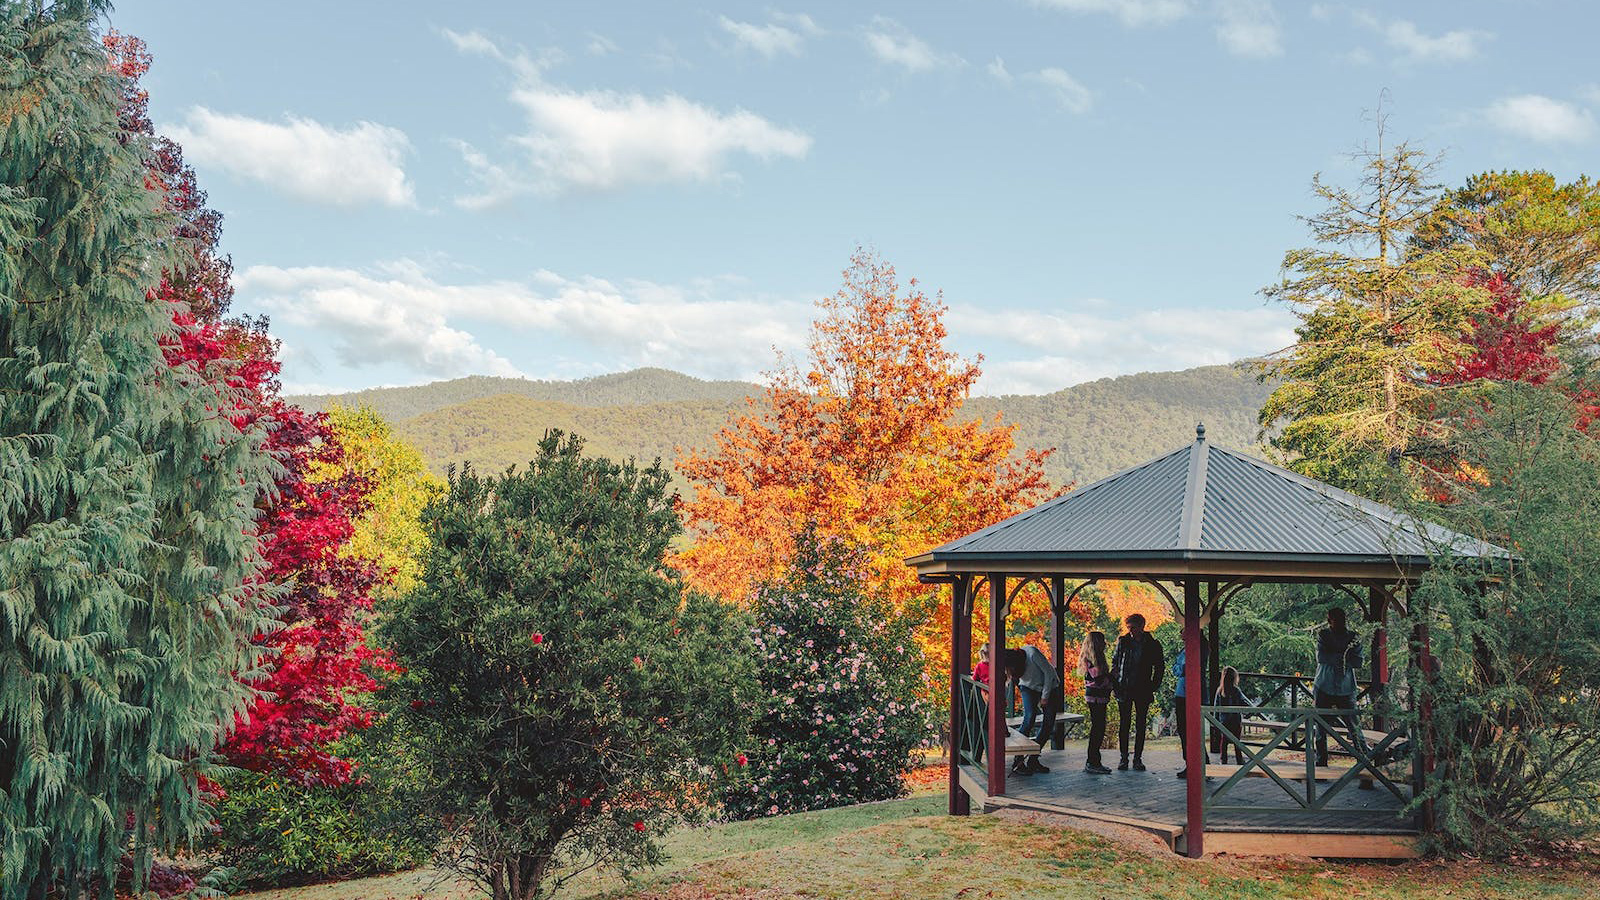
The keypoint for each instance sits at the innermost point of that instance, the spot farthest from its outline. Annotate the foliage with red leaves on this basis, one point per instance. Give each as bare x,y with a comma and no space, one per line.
314,691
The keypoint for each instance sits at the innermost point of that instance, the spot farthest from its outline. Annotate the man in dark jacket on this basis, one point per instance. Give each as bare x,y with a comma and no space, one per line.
1136,672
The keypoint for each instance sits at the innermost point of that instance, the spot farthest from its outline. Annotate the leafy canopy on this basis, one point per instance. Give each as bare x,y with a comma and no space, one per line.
867,444
572,699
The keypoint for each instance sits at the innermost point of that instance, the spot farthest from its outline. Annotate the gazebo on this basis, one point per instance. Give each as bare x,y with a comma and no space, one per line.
1200,524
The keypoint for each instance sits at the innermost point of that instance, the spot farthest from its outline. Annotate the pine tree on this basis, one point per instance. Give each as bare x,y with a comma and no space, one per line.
127,495
1375,320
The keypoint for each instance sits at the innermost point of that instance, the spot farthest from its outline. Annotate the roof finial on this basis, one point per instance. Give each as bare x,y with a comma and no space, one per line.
1200,432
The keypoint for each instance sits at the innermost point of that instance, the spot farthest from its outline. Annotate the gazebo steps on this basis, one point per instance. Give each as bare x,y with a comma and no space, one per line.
1321,844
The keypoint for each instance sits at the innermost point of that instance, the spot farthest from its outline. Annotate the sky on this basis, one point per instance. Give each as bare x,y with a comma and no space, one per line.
416,191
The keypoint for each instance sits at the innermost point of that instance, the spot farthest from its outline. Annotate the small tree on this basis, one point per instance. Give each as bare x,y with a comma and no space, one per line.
573,700
837,715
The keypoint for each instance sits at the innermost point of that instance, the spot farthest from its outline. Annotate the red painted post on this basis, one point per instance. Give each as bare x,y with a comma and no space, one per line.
960,665
999,691
1378,614
1194,759
1058,638
1419,635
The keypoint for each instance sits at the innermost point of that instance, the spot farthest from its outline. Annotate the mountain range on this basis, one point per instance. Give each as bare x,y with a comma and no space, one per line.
1096,428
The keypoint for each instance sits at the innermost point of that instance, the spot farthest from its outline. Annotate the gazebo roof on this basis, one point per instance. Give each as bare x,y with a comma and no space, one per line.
1203,509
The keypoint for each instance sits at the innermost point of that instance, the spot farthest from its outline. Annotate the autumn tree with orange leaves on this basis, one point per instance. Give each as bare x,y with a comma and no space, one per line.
867,444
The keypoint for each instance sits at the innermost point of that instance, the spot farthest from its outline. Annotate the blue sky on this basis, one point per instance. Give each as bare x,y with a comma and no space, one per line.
417,191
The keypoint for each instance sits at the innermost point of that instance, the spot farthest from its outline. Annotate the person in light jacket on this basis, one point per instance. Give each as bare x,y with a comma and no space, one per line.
1041,692
1338,657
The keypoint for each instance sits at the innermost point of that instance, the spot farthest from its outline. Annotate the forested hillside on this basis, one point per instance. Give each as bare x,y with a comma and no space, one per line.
1097,428
632,388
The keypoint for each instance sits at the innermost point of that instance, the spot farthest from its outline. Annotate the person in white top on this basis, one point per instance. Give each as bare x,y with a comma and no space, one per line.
1041,693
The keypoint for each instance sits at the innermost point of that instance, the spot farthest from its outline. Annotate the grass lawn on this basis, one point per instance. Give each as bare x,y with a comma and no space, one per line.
909,849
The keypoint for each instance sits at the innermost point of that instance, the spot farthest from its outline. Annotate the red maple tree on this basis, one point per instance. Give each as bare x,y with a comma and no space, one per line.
315,688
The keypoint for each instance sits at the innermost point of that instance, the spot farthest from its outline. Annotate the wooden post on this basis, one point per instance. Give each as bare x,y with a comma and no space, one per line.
1194,759
1378,614
1058,645
999,690
1214,657
960,665
1424,659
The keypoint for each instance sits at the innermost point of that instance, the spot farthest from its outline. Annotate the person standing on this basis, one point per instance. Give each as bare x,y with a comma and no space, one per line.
1041,692
1338,657
980,673
1096,674
1136,671
1181,707
1228,694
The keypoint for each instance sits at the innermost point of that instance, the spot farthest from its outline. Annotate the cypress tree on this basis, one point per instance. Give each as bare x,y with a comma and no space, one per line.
129,567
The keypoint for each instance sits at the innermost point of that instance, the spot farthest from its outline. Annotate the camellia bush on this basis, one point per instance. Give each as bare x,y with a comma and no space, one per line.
837,716
570,698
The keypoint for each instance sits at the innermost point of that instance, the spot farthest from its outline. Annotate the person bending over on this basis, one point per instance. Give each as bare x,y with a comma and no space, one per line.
1041,692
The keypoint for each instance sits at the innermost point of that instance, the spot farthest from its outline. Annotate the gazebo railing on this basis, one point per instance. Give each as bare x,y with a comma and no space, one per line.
1275,689
974,723
1374,762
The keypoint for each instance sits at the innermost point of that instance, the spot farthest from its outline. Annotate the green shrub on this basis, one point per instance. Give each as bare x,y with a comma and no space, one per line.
836,717
273,831
572,700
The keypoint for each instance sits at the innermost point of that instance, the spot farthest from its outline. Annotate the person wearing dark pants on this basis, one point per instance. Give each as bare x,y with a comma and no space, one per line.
1096,674
1136,672
1338,656
1182,707
1041,692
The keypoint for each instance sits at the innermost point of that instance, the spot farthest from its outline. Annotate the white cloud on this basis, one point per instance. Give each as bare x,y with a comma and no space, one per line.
1067,91
786,34
1591,94
1133,13
1451,46
1541,119
1249,28
997,70
371,320
355,166
891,43
1083,346
400,314
607,140
600,45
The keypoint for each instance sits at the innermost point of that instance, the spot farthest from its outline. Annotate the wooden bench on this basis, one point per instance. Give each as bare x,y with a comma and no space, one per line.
1066,723
1274,727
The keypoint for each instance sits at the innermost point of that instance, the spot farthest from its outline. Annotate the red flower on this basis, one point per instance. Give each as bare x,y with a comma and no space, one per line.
585,801
538,638
638,826
743,760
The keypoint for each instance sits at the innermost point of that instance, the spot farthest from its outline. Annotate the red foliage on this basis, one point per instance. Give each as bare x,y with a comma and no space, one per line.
1504,344
323,669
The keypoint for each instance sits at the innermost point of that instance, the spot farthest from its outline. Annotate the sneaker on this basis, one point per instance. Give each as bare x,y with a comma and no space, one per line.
1096,769
1122,766
1034,765
1138,765
1183,773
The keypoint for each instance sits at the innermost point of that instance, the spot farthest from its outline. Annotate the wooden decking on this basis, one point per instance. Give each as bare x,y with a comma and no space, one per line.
1357,823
